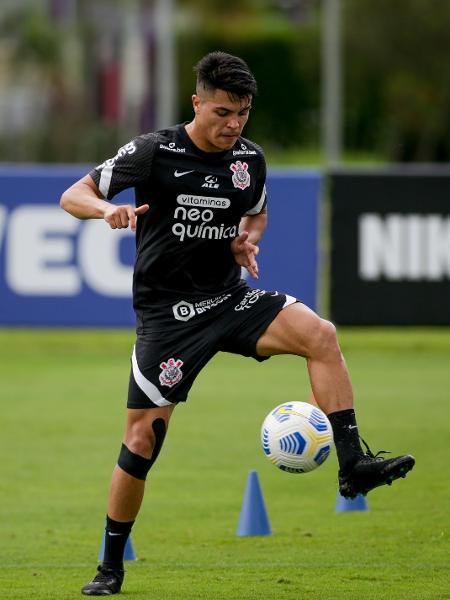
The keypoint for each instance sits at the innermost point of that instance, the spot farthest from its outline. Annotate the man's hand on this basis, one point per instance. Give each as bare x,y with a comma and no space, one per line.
245,253
118,217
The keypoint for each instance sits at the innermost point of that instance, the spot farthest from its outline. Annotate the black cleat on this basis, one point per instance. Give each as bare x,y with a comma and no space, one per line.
105,583
371,471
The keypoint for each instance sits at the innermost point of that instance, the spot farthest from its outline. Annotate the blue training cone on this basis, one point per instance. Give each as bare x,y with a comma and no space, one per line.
253,519
351,504
128,553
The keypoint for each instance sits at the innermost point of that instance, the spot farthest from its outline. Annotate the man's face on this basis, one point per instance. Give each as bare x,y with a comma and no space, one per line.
219,119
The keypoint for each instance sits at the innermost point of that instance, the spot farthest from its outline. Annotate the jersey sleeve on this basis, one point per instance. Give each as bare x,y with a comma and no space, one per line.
260,197
131,165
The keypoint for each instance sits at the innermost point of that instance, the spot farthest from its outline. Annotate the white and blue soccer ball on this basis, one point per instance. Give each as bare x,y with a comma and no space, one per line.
296,437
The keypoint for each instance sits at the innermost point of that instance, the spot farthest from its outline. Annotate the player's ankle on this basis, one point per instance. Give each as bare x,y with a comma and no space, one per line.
346,438
113,566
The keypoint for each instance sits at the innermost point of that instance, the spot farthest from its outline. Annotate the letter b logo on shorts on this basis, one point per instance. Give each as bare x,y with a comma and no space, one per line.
183,311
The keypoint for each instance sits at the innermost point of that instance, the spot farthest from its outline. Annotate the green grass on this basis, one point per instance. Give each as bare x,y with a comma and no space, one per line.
315,157
62,411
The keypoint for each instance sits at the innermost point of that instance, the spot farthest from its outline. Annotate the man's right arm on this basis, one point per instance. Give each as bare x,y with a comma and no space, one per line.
84,201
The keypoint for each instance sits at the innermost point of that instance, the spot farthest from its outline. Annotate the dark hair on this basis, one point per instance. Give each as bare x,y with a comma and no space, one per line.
222,71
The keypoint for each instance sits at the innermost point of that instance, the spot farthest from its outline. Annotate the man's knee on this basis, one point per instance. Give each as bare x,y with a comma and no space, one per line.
141,448
140,437
325,344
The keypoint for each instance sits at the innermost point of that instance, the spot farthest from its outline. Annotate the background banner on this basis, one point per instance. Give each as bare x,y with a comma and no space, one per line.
390,260
56,270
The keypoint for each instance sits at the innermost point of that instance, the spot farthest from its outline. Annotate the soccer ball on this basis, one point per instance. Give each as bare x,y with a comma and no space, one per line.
296,437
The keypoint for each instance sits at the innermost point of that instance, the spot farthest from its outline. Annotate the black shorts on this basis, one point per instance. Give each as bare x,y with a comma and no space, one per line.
174,343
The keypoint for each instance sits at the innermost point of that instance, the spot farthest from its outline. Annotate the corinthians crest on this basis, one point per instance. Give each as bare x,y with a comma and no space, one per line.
241,176
171,372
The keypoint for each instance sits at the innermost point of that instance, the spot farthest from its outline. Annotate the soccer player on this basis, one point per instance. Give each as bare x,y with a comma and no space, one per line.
201,209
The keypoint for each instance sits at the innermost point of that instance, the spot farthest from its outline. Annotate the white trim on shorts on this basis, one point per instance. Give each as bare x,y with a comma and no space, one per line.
289,300
149,389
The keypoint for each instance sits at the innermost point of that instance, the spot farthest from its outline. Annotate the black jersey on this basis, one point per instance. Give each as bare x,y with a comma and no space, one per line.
196,200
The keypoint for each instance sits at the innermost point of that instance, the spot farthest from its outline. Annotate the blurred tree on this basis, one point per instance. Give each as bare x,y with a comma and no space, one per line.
396,55
227,8
284,57
398,89
35,42
36,52
48,56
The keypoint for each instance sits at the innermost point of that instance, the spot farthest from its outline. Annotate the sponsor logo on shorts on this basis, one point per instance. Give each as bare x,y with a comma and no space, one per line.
241,176
249,299
171,373
183,311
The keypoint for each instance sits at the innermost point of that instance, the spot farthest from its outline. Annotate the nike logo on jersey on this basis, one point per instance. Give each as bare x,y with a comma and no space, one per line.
181,173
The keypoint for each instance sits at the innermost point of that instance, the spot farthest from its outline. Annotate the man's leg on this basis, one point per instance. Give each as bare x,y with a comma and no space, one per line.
298,330
144,436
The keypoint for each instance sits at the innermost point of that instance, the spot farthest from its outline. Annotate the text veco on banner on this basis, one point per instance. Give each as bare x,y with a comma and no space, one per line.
391,247
59,271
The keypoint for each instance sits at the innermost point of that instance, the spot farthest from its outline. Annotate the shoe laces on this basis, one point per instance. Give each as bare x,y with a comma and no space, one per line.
370,454
105,574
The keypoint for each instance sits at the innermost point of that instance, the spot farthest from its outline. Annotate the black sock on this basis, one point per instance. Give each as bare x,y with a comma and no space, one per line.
346,438
116,535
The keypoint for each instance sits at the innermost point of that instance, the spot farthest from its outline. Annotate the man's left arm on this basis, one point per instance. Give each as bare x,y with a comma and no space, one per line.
245,245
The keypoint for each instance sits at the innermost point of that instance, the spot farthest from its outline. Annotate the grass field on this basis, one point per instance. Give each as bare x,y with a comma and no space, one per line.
62,409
